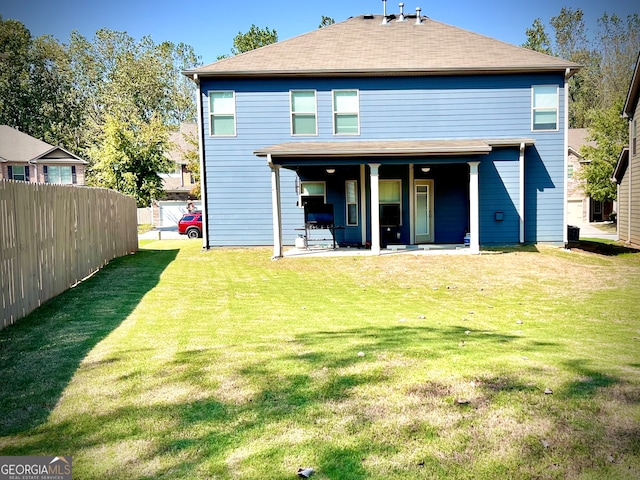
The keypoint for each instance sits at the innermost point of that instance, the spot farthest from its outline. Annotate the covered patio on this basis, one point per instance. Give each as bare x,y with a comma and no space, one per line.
369,157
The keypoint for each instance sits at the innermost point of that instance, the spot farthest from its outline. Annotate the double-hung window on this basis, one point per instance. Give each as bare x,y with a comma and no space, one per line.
390,203
312,192
303,112
634,137
18,172
222,111
346,112
544,115
351,194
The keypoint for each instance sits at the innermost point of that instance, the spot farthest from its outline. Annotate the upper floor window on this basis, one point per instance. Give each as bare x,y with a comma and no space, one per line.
346,112
303,112
544,107
634,135
222,108
569,171
62,174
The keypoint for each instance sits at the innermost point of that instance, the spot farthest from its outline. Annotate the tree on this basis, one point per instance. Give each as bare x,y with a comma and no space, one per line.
255,38
134,93
326,21
598,91
610,132
37,95
537,38
192,157
129,154
570,33
619,43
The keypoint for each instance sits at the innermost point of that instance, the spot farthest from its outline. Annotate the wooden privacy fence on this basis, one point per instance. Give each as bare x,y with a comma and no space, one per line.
53,236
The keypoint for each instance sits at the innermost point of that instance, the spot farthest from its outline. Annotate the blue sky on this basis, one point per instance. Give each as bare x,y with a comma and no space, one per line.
209,26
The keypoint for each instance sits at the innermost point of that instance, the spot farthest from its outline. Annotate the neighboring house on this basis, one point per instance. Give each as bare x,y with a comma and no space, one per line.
581,208
25,158
180,182
627,171
416,132
177,185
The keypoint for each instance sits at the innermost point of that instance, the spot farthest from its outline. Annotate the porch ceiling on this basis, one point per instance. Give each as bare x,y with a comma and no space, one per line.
389,148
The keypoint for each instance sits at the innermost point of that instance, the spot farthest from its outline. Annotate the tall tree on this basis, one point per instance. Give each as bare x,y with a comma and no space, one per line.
619,44
537,38
128,156
37,95
135,94
570,33
255,38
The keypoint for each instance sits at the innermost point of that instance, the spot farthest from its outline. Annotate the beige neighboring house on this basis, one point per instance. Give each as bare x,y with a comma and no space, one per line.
180,182
627,172
177,185
25,158
580,208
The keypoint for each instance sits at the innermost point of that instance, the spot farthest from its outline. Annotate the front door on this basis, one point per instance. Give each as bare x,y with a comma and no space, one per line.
423,218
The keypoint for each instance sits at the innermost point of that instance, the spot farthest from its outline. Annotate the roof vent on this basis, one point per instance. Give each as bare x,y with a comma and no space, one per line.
401,19
385,20
368,16
418,19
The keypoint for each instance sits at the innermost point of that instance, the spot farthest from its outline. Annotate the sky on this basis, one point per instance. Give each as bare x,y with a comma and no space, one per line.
209,26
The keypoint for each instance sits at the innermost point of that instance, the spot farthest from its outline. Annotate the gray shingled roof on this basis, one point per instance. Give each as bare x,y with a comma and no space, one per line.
17,146
363,46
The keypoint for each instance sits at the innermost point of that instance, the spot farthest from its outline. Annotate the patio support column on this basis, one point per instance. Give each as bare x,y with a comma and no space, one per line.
375,209
474,208
521,202
276,207
363,203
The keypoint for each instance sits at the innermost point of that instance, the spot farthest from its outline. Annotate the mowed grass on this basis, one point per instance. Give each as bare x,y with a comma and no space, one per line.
179,363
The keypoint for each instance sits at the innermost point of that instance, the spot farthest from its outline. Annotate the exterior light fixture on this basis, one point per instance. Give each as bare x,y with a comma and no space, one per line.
425,169
331,170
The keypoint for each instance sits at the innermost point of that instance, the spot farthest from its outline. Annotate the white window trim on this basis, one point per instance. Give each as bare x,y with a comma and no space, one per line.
324,191
533,109
235,116
315,113
399,182
347,203
334,113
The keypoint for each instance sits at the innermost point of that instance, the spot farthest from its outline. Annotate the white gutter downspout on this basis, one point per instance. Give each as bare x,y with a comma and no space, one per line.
276,208
363,204
565,238
203,170
522,193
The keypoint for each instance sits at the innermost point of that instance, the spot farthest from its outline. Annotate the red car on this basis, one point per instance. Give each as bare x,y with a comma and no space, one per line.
191,225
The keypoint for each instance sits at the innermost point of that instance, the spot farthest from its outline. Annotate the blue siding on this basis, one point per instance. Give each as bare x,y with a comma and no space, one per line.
239,183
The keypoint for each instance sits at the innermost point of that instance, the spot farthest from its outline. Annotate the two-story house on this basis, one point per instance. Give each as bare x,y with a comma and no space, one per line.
627,171
407,130
25,158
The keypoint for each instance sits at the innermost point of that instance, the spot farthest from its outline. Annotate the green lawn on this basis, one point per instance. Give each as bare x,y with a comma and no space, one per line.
179,363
